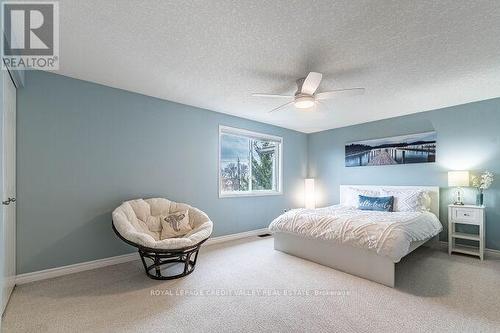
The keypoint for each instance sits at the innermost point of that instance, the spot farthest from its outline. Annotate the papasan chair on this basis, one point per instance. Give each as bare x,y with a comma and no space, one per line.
165,232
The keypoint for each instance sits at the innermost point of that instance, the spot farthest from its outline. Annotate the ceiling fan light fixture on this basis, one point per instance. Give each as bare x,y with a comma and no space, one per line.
304,102
306,96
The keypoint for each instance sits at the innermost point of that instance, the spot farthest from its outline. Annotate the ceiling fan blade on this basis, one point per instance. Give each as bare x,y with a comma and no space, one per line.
311,83
340,93
272,95
281,106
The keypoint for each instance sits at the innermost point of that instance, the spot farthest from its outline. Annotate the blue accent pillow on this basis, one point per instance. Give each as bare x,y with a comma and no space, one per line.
382,204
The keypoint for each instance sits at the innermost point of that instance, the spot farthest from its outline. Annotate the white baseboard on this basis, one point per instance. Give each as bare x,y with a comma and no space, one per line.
226,238
88,265
494,254
75,268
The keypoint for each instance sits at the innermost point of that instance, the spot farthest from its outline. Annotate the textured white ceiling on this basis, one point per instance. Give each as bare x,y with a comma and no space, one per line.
410,55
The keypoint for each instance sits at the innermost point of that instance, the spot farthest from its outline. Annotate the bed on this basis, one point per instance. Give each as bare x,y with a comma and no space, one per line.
367,244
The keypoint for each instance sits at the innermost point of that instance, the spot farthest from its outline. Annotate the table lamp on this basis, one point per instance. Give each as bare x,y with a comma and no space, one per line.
458,179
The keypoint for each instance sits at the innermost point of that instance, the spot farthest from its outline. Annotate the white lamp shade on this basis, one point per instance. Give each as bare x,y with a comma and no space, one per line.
458,178
309,195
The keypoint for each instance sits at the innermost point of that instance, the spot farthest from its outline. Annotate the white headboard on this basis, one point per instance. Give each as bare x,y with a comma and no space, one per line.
432,190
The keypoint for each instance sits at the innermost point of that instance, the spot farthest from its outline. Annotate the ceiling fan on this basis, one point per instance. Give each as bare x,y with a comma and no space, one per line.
306,95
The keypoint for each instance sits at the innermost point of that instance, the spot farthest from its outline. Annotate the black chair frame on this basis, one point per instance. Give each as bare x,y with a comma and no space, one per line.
160,257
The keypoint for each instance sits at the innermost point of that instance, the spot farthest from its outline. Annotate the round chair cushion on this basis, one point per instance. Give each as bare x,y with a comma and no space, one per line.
130,220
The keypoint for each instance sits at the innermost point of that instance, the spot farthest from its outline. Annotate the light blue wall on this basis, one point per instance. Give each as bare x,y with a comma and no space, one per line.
84,148
468,138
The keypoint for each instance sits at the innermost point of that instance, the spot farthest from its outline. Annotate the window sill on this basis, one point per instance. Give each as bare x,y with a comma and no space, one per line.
248,194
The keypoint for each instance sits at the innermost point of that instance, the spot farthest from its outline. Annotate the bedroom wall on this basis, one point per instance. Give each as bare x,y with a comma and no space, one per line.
468,139
83,148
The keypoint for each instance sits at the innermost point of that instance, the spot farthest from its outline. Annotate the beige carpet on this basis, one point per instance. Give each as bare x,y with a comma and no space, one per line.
246,286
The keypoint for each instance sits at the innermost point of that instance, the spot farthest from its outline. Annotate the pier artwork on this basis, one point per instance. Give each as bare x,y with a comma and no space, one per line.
415,148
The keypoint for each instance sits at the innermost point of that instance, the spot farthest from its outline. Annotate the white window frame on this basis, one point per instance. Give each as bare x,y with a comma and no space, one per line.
255,135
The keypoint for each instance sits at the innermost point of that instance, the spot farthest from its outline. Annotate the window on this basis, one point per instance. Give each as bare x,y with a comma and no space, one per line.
249,163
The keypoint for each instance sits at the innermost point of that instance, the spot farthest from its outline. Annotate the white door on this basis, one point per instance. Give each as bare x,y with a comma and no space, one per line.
9,187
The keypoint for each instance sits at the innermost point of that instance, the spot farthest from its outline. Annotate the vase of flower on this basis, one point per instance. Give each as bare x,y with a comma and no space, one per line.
482,183
480,198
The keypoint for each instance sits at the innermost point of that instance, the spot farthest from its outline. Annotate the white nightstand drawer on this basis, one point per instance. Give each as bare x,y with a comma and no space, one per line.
465,214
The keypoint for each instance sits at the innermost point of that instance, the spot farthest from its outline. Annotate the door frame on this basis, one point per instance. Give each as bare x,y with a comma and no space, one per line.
8,273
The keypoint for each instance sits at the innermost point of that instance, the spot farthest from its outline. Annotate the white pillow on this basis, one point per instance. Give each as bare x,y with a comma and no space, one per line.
409,200
351,196
175,224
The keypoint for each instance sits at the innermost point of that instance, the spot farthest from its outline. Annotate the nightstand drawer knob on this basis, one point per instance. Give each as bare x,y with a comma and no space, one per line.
464,214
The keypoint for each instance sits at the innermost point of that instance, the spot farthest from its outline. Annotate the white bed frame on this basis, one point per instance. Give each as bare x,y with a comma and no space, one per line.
346,258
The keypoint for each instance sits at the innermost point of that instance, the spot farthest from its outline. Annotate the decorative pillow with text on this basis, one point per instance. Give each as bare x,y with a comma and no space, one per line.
382,204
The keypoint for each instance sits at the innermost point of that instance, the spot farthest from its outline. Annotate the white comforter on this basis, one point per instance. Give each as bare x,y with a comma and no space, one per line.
386,233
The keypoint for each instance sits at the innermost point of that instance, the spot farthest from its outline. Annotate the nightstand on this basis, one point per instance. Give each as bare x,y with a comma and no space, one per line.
471,215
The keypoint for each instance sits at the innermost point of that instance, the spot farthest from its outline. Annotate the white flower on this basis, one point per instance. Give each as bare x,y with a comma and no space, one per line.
484,181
